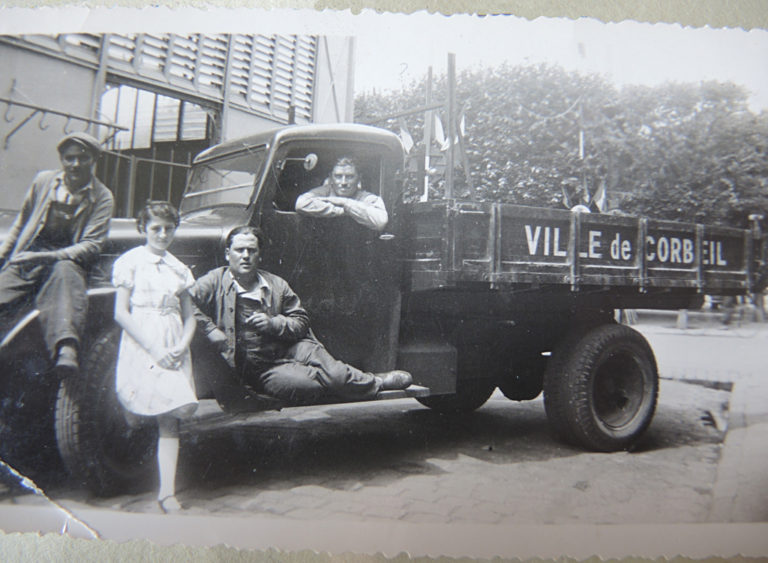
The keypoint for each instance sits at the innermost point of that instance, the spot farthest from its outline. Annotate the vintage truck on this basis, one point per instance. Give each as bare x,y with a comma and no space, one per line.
467,296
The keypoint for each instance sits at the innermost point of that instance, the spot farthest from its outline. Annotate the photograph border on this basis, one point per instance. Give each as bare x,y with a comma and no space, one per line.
577,542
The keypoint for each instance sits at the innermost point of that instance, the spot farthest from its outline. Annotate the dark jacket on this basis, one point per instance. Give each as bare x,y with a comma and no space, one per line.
215,297
91,220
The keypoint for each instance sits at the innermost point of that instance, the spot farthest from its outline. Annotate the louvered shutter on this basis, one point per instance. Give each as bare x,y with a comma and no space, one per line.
82,46
269,74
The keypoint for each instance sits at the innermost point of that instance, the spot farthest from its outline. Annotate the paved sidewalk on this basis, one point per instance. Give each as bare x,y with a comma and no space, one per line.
741,488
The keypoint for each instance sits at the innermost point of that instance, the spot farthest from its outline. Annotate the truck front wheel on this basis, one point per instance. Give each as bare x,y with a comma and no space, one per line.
601,387
471,394
102,448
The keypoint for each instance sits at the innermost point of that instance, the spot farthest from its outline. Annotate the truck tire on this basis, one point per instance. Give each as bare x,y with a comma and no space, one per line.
601,387
27,395
471,394
100,448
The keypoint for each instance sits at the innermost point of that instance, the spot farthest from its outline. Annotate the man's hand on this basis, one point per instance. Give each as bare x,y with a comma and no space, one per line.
218,339
338,201
261,322
339,204
43,257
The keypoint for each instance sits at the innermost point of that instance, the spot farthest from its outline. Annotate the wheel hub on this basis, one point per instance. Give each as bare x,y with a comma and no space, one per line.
619,388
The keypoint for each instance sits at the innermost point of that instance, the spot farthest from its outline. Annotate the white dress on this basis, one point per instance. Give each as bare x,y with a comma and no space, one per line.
155,282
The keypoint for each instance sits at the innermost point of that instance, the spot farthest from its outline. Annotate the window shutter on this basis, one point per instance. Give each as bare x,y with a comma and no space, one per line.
269,74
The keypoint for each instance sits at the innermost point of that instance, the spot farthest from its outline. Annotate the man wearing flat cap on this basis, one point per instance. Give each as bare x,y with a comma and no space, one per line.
56,236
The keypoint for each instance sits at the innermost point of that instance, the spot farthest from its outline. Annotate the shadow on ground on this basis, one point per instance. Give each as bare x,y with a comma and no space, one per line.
377,444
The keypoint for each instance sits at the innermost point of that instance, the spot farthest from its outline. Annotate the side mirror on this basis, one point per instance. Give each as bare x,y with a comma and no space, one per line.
310,161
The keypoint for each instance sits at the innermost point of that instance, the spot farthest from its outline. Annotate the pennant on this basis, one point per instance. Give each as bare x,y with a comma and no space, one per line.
439,133
566,197
600,198
405,136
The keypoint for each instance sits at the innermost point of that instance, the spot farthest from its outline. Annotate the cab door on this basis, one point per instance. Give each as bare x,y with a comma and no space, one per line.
347,276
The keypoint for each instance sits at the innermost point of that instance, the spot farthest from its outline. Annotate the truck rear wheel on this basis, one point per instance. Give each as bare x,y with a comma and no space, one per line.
471,394
601,387
100,447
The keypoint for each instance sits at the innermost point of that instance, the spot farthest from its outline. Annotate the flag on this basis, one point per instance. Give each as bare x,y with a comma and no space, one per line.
440,134
600,198
585,195
405,136
566,197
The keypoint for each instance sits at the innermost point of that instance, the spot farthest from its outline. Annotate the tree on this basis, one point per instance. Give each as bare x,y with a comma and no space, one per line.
688,152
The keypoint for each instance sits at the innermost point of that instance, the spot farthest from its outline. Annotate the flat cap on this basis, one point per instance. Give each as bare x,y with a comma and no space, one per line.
85,140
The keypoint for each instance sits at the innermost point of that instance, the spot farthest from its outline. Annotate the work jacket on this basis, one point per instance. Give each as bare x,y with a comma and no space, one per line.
215,298
90,227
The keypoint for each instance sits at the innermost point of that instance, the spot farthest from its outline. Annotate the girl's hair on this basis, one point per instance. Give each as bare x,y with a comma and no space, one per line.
159,209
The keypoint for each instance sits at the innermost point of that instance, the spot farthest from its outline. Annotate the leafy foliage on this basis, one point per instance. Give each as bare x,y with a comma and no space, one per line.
535,134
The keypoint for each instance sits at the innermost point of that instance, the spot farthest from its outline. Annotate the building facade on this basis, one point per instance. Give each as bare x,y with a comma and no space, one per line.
156,100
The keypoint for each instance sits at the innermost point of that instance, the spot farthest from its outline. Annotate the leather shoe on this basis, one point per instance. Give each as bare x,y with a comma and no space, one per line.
169,504
396,379
66,361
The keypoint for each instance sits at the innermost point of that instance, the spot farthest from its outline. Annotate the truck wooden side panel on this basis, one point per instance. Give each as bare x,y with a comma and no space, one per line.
451,243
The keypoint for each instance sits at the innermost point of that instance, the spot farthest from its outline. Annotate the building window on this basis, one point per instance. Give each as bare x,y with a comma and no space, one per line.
151,118
151,158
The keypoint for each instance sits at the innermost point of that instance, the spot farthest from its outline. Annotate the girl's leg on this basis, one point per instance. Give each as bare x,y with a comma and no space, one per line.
167,456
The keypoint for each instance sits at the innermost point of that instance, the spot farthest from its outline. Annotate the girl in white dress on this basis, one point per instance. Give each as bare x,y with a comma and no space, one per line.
154,367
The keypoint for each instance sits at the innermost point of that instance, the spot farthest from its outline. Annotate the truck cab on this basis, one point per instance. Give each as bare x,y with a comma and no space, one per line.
347,276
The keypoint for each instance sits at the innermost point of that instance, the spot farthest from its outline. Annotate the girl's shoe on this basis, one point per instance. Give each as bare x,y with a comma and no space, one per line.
169,504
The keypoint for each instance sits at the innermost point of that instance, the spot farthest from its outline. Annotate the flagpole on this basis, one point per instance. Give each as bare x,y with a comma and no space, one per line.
464,158
427,135
451,118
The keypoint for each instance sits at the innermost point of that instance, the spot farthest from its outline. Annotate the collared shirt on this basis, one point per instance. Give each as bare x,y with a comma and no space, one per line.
257,292
216,299
155,280
90,223
62,194
364,207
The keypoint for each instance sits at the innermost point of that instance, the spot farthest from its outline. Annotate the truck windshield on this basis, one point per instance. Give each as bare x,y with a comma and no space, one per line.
226,181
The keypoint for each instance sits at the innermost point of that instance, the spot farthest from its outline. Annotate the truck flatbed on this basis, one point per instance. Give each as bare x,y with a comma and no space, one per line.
454,244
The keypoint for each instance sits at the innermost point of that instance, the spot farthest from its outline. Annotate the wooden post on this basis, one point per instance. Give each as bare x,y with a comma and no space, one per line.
451,119
221,134
99,84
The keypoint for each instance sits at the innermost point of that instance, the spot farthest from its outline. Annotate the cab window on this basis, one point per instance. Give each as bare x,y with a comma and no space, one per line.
293,179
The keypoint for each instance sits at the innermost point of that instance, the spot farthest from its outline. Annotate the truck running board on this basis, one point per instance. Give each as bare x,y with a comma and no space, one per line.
210,415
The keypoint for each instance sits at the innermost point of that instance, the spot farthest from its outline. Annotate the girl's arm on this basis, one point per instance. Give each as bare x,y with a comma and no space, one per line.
190,323
123,317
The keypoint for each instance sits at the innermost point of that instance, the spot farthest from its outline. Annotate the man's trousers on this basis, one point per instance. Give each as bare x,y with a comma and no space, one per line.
57,290
308,373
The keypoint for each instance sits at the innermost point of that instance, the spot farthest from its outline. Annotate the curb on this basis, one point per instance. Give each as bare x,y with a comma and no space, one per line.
740,493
